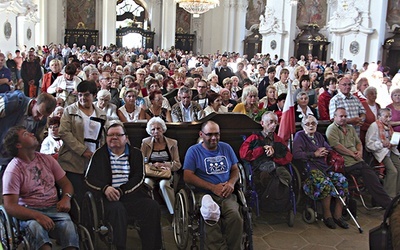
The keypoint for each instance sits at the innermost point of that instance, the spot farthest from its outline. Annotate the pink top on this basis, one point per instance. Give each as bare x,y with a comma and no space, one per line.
395,116
34,182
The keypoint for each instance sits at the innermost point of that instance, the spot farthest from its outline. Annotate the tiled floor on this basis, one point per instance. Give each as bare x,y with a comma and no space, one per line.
272,232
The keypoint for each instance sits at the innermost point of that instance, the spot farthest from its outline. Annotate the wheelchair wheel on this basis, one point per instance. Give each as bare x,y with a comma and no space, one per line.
309,215
181,220
242,177
6,230
85,241
290,218
91,220
297,188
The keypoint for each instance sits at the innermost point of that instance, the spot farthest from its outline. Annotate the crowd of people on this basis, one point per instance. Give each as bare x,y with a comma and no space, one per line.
82,96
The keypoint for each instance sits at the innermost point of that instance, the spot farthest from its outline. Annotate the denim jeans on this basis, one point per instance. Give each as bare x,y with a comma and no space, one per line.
64,231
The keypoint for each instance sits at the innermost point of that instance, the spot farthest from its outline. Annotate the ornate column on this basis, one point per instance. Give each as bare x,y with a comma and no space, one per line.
351,32
273,30
168,24
109,29
240,25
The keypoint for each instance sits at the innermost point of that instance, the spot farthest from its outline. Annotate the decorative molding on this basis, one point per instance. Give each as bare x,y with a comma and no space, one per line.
347,17
7,29
270,23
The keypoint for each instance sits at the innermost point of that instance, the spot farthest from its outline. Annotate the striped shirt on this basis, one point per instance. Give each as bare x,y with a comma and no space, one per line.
120,168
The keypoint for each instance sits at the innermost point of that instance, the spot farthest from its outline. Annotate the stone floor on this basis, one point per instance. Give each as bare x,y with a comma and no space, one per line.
270,231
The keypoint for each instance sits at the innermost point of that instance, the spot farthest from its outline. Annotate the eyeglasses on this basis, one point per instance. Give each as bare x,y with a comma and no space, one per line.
113,135
202,87
53,126
345,84
211,134
308,124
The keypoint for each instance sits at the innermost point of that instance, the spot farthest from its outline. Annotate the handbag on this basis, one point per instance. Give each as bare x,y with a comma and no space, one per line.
336,161
380,237
154,172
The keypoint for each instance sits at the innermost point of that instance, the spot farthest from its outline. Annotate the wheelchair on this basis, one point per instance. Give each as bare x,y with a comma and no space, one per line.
258,198
188,222
100,230
12,237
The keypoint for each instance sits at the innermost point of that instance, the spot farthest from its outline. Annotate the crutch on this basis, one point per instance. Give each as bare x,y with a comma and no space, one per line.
344,205
341,199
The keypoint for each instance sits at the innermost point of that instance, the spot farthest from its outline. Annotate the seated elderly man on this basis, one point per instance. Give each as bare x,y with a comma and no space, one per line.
212,168
115,172
30,193
344,139
186,110
265,150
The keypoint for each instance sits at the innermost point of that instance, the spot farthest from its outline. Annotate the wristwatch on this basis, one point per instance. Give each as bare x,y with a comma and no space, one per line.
68,195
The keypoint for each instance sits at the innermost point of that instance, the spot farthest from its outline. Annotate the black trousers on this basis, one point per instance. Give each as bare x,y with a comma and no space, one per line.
371,181
144,210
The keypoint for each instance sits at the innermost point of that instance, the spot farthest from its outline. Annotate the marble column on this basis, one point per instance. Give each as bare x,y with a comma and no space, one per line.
109,30
156,21
55,20
240,26
231,25
168,25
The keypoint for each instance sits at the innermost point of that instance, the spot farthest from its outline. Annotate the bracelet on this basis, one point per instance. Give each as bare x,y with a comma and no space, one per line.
68,195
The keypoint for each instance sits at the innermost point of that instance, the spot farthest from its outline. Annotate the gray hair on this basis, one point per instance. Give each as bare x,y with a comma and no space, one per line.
268,113
306,117
185,89
300,94
154,120
370,89
382,110
103,93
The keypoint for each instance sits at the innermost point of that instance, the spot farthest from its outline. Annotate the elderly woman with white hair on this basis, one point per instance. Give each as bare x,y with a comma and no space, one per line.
213,80
103,103
301,108
378,141
310,150
249,104
161,152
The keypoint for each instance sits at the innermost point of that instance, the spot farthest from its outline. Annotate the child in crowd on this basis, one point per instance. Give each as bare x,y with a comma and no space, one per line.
52,143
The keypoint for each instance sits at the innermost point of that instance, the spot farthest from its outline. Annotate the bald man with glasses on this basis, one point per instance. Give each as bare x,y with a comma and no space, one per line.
212,168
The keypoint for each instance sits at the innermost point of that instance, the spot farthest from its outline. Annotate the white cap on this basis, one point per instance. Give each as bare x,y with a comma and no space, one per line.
209,209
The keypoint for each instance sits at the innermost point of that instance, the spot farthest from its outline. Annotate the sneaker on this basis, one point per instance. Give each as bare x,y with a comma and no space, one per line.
341,223
330,223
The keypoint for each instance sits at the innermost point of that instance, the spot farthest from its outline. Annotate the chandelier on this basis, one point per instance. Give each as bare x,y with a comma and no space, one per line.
197,7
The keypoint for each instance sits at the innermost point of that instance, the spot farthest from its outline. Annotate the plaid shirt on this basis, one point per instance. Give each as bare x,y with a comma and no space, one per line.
352,104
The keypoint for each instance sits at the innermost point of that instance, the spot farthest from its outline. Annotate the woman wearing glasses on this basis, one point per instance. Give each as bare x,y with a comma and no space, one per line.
81,130
161,152
310,150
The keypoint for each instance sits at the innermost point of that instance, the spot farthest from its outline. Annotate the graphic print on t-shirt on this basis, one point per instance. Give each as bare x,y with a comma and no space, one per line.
216,165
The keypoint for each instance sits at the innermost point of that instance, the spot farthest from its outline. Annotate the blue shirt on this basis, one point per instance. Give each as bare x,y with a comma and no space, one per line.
5,73
213,166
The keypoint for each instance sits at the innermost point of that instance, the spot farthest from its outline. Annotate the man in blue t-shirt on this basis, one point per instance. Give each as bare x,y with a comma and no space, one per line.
212,168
